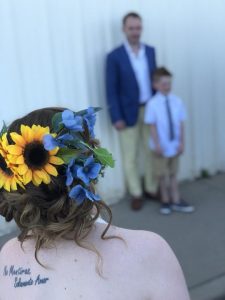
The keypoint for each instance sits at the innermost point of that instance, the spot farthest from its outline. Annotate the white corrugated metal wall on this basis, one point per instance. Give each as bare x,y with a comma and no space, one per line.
52,53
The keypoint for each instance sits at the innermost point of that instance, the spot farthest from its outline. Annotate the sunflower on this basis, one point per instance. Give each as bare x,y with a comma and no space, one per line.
8,177
33,162
3,145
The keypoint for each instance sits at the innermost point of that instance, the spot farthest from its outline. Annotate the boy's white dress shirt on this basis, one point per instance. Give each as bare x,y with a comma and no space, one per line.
156,113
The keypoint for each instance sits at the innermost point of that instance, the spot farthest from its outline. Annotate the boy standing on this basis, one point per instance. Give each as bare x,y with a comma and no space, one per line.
165,114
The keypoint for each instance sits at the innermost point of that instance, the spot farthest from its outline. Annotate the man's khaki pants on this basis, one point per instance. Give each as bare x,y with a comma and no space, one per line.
130,140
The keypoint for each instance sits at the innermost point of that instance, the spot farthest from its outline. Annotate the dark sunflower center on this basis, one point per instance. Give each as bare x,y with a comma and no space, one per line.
3,166
35,155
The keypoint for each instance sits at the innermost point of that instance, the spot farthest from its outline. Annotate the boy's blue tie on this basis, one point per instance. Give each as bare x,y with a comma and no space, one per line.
170,120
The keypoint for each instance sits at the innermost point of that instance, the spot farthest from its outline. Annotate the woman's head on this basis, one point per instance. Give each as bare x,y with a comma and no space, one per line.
49,164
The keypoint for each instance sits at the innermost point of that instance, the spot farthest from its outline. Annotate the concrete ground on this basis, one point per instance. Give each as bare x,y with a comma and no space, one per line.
197,239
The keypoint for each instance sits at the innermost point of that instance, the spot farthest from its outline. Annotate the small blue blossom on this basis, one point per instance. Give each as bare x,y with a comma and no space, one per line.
71,121
90,118
79,194
71,172
51,143
89,171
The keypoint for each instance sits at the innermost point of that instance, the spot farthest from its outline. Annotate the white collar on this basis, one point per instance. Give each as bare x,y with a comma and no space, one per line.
162,96
130,50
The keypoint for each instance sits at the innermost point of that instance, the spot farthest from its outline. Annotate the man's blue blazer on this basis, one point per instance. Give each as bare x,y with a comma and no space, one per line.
122,90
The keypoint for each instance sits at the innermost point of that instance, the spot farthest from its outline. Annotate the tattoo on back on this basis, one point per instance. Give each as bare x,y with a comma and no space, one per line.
22,277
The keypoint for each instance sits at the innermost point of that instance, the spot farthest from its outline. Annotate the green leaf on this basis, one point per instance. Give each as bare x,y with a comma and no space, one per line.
67,154
56,121
84,111
3,130
104,156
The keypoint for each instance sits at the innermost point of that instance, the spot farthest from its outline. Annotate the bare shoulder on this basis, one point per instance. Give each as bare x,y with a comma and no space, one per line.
144,244
156,263
149,245
10,243
141,239
9,249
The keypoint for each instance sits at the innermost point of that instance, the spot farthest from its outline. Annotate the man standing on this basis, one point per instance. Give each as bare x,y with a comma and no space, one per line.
129,87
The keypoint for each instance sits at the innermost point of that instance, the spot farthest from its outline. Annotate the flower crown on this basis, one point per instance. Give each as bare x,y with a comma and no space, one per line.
37,151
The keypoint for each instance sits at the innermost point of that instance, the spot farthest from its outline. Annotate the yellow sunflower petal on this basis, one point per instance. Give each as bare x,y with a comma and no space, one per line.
2,152
47,179
56,160
44,176
27,177
54,151
36,179
4,142
7,185
39,132
27,133
2,179
22,169
34,127
20,160
20,184
12,158
50,169
18,139
4,138
15,150
13,184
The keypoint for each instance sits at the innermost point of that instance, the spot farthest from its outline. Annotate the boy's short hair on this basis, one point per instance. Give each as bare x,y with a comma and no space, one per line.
160,72
131,14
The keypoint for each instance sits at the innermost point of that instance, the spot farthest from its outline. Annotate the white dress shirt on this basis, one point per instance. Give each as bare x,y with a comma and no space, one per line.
140,66
156,113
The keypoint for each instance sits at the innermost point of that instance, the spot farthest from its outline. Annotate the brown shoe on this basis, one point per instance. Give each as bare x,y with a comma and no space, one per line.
136,203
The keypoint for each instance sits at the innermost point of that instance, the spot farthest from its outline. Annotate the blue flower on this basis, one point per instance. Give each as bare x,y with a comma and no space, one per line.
79,194
89,171
71,172
51,143
90,118
71,121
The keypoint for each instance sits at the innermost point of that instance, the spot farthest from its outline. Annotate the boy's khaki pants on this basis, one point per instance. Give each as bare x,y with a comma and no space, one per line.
130,140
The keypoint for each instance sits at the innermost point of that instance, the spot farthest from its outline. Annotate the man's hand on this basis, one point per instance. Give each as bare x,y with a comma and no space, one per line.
180,149
120,125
